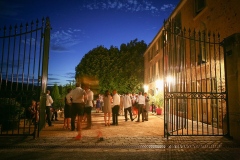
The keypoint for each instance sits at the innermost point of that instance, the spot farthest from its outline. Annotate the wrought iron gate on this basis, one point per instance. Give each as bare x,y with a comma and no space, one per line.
195,96
23,77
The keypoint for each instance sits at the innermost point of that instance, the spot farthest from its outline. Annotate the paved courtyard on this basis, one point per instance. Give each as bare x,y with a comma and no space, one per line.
128,140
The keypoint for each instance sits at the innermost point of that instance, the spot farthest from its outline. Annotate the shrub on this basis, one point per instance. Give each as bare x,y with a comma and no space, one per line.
157,99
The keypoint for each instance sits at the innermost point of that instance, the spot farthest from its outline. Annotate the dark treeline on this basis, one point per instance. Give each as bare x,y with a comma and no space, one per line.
121,69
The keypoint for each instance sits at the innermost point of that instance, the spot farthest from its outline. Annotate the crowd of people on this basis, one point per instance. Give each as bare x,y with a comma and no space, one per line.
32,112
79,103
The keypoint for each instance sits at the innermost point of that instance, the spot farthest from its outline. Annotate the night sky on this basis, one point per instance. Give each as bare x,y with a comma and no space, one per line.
78,26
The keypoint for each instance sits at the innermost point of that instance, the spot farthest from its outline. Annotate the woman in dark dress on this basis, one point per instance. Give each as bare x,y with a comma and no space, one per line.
67,110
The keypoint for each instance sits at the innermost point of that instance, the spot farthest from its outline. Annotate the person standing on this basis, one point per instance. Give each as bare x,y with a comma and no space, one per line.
31,113
116,106
98,105
67,110
49,102
134,105
78,103
141,104
121,109
147,106
127,104
88,107
107,108
54,114
101,101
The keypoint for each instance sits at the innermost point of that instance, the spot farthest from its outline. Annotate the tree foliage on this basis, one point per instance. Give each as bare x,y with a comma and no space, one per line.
56,96
121,69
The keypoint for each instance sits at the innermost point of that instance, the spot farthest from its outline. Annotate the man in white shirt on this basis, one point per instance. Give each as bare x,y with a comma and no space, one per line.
49,102
116,106
127,104
88,106
78,102
141,104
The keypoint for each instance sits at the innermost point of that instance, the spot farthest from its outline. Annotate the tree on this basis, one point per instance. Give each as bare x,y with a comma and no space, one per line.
115,69
56,97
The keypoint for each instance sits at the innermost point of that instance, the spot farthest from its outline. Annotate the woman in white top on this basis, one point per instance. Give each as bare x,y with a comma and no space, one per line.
107,108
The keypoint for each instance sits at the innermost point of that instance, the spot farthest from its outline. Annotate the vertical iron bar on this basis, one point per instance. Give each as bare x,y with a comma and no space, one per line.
181,49
206,79
200,79
171,114
23,61
175,63
24,56
180,73
211,78
196,75
191,74
29,55
210,83
185,80
217,81
184,105
3,47
19,53
13,58
39,68
164,82
8,54
40,54
215,72
181,80
33,72
221,85
172,67
177,116
34,57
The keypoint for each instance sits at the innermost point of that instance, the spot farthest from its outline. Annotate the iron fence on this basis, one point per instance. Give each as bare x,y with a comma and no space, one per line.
22,72
195,95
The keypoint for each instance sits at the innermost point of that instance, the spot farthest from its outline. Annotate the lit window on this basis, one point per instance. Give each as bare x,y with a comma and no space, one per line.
203,49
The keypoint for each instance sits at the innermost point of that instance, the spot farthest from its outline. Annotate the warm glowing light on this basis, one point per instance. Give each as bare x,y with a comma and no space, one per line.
145,88
159,85
170,79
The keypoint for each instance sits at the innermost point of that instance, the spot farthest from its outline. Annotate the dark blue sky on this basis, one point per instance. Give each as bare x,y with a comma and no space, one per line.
78,26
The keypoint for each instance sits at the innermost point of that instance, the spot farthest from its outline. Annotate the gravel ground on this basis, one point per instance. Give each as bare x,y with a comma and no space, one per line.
129,140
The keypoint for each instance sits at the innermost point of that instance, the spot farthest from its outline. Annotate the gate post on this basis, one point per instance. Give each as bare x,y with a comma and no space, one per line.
44,77
231,46
166,111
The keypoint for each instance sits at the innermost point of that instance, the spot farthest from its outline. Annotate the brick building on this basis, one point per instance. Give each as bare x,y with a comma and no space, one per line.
191,49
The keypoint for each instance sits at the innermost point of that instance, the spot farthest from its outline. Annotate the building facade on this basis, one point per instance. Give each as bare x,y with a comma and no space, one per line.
190,50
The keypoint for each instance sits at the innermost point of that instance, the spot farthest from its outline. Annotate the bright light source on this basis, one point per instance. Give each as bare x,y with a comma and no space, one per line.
145,88
170,79
159,85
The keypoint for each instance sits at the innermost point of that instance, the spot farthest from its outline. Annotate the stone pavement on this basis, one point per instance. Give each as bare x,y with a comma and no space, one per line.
128,140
